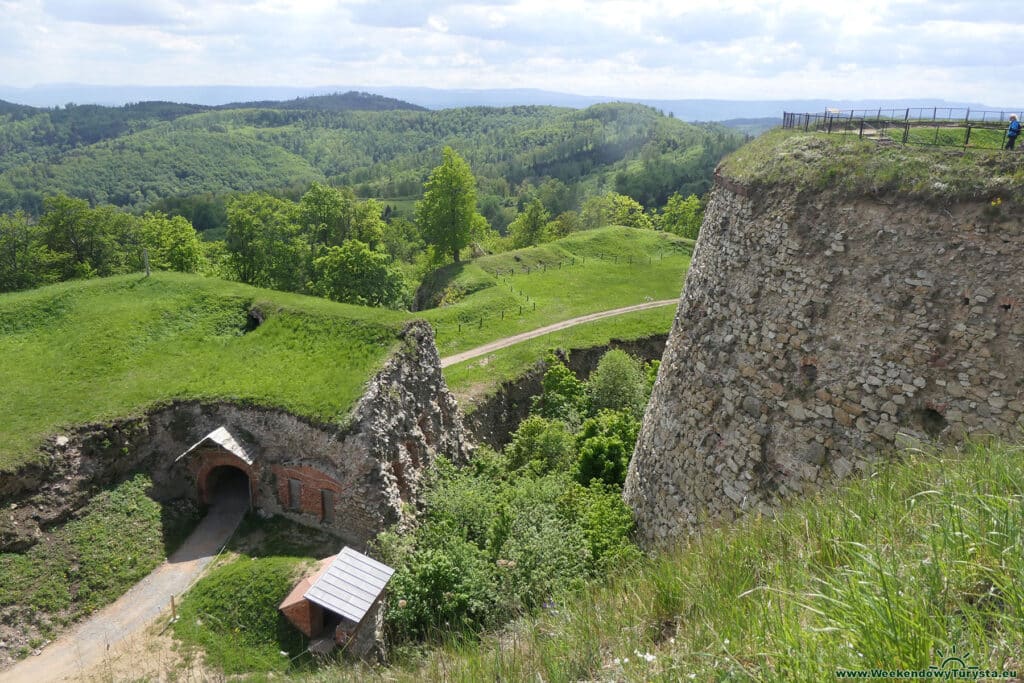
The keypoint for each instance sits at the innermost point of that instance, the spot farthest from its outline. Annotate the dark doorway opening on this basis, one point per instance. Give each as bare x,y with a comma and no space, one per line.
227,482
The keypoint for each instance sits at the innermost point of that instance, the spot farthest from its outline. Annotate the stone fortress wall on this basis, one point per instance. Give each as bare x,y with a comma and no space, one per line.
811,332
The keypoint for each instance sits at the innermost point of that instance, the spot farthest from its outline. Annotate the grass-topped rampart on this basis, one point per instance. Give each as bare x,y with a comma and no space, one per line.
818,161
98,350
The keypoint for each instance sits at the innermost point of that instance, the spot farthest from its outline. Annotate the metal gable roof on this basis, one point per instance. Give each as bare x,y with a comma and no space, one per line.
350,585
223,438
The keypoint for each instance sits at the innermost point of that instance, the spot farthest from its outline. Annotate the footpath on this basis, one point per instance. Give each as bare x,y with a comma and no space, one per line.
541,331
85,644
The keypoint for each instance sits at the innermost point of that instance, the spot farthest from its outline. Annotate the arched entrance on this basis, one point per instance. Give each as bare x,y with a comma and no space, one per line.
223,469
226,481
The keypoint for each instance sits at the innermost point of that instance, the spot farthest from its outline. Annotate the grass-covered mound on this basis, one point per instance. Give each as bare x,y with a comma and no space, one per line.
80,566
897,571
817,161
96,350
232,615
524,289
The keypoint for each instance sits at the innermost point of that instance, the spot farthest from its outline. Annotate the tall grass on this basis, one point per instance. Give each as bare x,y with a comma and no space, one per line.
922,559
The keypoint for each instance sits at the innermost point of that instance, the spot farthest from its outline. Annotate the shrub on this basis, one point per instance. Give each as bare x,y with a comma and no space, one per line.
563,396
618,383
542,445
605,446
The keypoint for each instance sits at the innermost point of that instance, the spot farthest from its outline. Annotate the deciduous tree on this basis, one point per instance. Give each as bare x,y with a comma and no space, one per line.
446,213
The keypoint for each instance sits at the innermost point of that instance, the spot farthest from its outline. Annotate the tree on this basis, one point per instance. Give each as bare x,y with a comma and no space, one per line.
618,383
528,227
682,216
354,274
541,444
266,248
446,213
401,239
88,241
24,260
614,209
563,396
563,225
606,444
172,243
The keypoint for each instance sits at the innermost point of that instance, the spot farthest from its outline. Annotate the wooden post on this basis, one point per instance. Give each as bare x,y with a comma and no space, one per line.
145,261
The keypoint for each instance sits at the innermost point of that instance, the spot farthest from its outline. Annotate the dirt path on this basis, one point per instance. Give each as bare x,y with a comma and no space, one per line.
84,645
540,331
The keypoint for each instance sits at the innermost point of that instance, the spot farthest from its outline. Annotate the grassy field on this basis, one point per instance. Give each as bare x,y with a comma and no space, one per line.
117,539
920,562
475,378
601,270
89,351
819,161
98,350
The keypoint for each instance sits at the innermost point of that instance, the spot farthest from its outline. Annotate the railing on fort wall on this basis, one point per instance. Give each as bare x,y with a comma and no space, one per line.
938,126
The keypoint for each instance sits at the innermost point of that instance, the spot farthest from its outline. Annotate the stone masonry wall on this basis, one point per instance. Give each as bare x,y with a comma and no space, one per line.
811,332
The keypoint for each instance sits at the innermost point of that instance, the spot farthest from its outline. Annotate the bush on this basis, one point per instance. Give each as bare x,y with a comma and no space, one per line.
618,383
563,396
542,445
606,444
445,589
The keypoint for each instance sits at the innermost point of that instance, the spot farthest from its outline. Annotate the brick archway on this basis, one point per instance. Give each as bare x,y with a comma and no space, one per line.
214,465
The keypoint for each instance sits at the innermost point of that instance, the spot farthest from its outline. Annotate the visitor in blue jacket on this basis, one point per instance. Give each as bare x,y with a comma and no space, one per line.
1012,131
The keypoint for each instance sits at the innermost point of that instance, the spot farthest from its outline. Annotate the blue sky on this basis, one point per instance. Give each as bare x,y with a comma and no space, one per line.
655,49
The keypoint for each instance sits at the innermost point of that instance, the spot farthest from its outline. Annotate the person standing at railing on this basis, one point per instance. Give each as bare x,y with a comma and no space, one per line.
1012,131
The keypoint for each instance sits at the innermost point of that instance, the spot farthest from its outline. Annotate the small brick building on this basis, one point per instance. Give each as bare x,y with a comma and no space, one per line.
340,601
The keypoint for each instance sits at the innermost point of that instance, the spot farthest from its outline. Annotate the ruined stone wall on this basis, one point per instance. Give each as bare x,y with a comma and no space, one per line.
814,329
374,462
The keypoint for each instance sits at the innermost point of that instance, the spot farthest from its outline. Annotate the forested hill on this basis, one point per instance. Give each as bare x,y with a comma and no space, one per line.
349,101
160,152
33,135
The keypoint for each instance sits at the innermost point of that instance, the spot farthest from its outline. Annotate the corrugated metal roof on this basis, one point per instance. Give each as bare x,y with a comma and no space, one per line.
350,585
223,438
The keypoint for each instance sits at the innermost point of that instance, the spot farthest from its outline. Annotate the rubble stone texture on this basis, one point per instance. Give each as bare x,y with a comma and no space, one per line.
813,330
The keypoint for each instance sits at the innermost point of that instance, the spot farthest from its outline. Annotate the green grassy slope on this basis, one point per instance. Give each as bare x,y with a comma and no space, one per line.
601,270
476,378
897,571
101,349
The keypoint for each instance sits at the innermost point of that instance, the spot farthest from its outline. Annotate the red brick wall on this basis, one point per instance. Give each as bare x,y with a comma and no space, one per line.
209,458
306,617
311,482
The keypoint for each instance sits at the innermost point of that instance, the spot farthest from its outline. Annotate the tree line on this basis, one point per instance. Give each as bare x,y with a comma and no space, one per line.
159,153
328,242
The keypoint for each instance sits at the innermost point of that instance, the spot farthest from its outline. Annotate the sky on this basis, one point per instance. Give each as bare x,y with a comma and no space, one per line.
666,49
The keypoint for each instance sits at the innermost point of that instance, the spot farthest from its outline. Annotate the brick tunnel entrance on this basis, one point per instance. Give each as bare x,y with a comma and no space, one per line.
222,468
226,481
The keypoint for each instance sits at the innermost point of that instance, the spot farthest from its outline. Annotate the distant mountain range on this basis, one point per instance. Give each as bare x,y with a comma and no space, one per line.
433,98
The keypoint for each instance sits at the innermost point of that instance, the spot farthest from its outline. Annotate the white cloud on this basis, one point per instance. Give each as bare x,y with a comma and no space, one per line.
630,48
